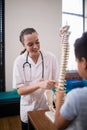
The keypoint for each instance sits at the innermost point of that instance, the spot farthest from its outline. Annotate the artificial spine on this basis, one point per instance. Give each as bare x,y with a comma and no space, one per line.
64,33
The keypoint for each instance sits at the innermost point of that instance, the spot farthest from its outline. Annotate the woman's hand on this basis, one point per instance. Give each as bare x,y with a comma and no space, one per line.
47,84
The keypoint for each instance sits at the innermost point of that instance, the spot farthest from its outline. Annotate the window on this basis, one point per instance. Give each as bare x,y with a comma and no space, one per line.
2,55
73,14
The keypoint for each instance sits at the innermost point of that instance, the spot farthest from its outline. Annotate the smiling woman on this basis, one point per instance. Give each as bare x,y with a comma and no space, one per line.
34,71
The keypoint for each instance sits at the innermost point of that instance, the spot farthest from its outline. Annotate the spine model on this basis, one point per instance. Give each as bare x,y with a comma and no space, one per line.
49,94
64,33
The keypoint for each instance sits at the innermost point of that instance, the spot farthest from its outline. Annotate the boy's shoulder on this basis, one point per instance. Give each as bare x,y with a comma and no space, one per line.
77,92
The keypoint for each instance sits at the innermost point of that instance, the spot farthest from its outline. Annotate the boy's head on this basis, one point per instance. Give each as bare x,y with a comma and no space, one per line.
80,48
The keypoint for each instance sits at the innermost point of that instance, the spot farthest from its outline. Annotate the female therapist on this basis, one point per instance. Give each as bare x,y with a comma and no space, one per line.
33,72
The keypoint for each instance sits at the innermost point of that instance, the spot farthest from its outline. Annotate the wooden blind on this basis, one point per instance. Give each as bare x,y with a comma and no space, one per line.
2,47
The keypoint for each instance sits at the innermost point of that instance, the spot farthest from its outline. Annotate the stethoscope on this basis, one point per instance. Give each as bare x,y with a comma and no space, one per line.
27,63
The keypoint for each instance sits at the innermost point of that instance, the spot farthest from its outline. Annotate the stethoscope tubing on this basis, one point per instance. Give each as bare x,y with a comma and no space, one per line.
26,62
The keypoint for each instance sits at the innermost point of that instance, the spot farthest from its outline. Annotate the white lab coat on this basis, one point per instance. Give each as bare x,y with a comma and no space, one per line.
35,100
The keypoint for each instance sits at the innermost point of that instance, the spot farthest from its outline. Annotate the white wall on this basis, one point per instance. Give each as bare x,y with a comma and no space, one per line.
43,15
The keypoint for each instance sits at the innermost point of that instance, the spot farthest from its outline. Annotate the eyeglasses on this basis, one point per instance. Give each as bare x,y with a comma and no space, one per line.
30,44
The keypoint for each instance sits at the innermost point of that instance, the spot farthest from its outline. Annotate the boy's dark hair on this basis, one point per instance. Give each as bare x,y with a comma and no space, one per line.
80,47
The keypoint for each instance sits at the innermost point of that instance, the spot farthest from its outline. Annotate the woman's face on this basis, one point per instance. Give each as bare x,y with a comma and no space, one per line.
31,43
82,67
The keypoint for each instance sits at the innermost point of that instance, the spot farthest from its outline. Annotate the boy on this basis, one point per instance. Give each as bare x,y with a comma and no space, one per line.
72,115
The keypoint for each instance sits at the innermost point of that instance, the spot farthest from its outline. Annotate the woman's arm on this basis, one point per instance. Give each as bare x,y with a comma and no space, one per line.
47,84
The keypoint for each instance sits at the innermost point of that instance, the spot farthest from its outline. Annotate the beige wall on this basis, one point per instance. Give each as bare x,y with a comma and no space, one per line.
43,15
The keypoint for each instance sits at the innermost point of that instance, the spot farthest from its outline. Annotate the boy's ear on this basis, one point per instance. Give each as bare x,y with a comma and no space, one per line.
86,65
84,60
